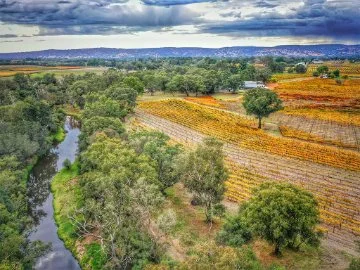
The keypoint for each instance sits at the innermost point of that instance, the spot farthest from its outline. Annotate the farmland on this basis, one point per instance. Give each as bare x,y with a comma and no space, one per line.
7,71
252,162
318,146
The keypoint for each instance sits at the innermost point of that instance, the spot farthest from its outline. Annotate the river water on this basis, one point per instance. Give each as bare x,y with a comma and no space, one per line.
41,200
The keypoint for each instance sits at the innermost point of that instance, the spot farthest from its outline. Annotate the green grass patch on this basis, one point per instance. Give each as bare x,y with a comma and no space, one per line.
94,257
58,136
67,197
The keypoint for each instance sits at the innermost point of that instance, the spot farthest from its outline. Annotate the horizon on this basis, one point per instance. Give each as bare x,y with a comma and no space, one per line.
182,47
35,25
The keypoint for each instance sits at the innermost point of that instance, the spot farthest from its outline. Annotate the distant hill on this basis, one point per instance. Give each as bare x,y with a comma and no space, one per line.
316,51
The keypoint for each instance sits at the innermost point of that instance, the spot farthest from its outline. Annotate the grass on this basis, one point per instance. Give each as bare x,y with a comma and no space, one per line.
67,197
39,71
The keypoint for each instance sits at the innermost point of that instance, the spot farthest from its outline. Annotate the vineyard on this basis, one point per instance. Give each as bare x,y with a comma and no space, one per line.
238,130
323,90
345,67
205,100
336,189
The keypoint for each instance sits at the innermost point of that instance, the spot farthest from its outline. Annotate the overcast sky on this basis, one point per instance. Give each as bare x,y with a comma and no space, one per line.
27,25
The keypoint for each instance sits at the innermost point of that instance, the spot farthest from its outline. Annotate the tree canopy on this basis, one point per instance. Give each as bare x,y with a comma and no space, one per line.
261,102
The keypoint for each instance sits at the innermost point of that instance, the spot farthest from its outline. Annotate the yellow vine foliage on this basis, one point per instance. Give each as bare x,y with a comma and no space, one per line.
234,129
327,89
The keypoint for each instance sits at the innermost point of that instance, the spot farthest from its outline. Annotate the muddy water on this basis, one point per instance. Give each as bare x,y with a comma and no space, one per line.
41,199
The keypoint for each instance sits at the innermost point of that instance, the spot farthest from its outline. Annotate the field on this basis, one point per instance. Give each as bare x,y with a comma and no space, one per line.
345,68
255,156
9,71
321,110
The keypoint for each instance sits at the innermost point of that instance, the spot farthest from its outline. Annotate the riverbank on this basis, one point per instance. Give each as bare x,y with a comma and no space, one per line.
67,198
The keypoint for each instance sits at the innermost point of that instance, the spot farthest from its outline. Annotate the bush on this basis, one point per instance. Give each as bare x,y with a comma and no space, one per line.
316,74
235,232
67,164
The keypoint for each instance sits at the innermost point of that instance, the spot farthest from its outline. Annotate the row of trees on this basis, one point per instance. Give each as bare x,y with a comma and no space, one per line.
27,119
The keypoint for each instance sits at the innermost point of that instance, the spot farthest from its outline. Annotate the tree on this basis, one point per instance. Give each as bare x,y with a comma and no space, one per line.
261,102
336,73
77,92
164,156
151,83
135,83
187,84
204,174
322,69
234,82
284,215
263,75
300,68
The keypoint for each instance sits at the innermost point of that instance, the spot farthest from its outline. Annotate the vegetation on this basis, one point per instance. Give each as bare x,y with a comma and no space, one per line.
204,174
29,124
261,102
283,215
125,202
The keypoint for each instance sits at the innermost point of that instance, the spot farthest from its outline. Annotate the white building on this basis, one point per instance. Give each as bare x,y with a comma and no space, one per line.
253,84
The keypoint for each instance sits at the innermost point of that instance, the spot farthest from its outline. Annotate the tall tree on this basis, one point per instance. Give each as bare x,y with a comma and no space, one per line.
284,215
261,102
204,174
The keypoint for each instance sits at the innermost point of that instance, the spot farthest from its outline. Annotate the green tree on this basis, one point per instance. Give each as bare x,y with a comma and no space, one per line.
164,156
104,106
263,75
234,82
204,174
135,83
77,92
283,215
336,73
300,68
261,102
322,69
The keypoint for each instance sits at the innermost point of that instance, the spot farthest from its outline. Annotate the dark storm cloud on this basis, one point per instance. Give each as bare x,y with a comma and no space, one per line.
93,17
173,2
336,19
320,18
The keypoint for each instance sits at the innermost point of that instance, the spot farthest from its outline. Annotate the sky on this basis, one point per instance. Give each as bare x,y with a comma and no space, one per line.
28,25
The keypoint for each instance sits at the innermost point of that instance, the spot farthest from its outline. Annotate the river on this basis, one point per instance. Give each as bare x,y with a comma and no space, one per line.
41,200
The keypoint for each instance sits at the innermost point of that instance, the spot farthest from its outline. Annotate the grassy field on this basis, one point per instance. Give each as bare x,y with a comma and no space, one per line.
7,71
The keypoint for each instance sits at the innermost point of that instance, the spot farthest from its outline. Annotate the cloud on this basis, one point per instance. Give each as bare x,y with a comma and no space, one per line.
173,2
320,18
94,16
11,41
8,36
328,19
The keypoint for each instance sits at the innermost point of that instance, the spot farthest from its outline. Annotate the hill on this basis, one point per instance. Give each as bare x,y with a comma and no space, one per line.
314,51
